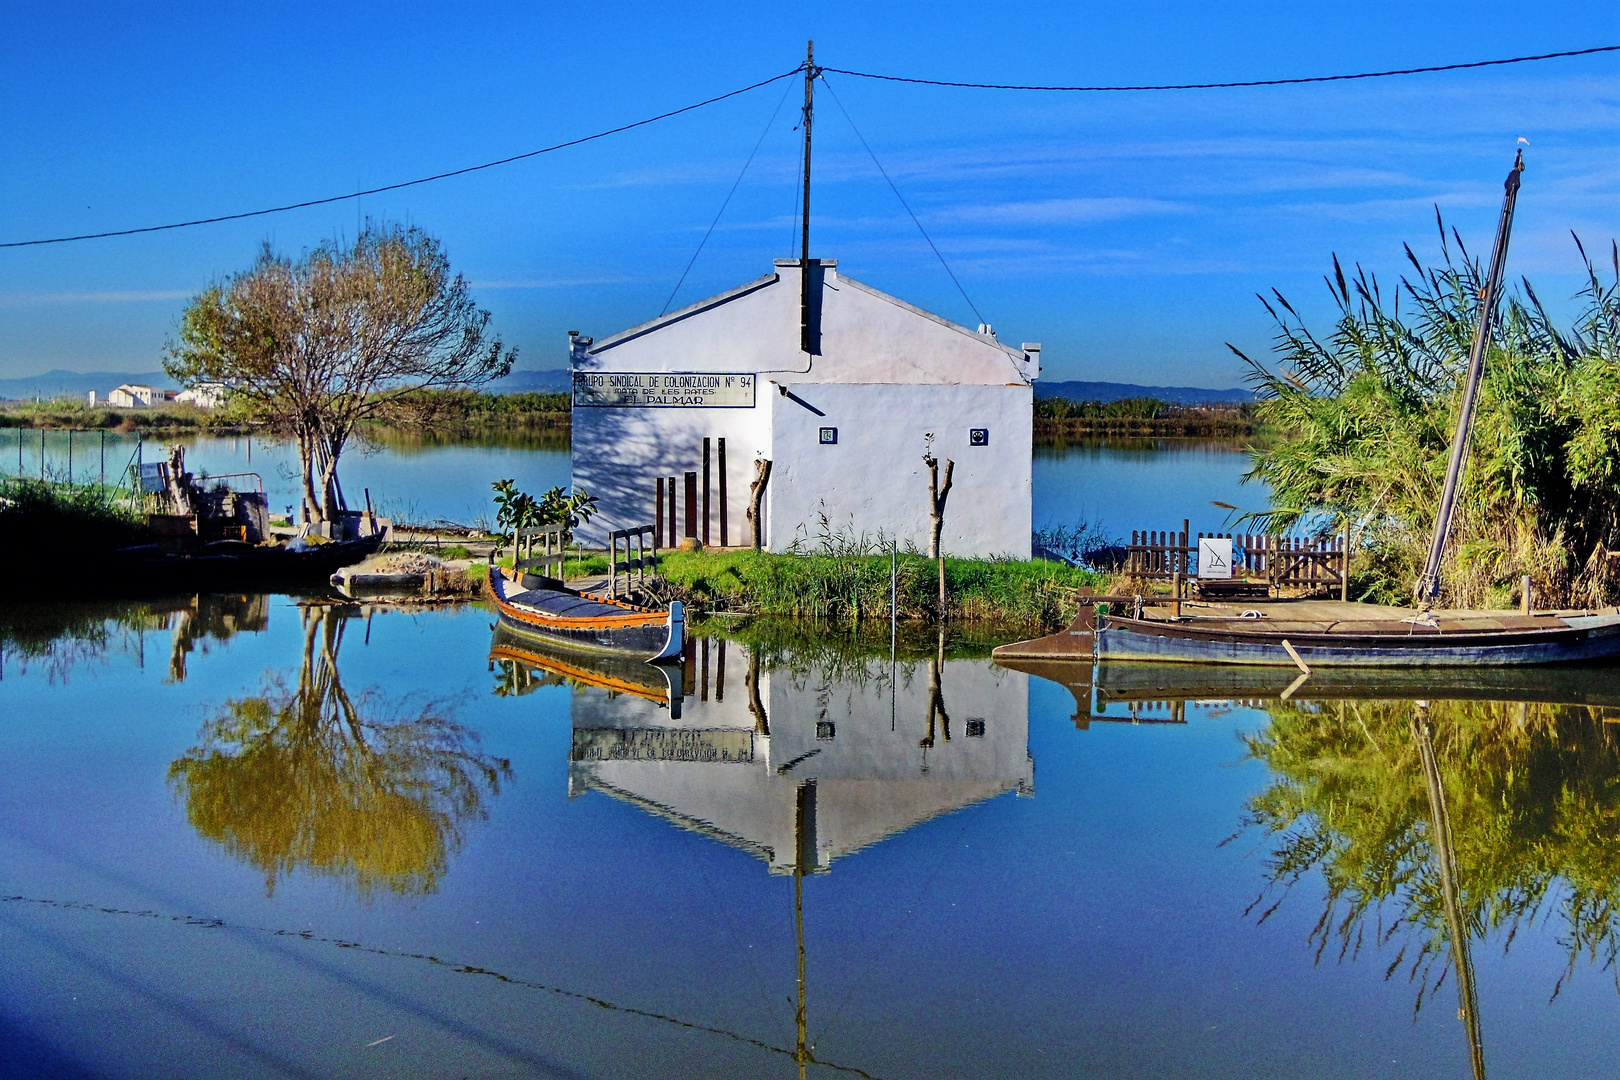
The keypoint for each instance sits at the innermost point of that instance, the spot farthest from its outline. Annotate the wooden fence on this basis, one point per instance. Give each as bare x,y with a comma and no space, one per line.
551,537
1280,561
633,569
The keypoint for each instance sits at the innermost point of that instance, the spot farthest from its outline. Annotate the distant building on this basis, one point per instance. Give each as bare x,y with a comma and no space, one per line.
845,424
92,399
131,396
204,395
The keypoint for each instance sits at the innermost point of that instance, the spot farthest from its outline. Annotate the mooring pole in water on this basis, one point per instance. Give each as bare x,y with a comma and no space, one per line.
42,453
1428,585
103,457
70,457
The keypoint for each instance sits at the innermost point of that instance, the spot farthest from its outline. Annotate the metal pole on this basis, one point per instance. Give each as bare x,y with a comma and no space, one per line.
804,238
103,457
1428,585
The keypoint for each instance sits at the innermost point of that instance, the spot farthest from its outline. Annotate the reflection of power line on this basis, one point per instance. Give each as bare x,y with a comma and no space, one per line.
449,965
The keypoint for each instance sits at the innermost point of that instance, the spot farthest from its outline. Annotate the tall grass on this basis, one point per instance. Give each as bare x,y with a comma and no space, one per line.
43,523
846,589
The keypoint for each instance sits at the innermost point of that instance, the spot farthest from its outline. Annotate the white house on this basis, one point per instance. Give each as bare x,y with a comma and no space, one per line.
845,425
132,396
204,395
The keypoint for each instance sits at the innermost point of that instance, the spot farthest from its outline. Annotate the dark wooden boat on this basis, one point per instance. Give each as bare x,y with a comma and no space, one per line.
1324,633
549,612
231,564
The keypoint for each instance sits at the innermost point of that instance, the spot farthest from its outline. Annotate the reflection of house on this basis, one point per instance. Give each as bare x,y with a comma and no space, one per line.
842,387
861,754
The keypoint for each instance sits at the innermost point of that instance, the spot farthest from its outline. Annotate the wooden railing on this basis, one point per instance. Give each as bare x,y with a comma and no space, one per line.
552,538
1280,561
635,568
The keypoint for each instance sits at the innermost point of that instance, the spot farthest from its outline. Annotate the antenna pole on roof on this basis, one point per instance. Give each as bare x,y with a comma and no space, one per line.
804,239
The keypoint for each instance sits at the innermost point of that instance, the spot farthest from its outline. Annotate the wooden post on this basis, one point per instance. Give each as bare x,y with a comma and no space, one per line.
756,495
1344,564
691,506
1175,584
1524,595
725,538
658,515
706,516
673,540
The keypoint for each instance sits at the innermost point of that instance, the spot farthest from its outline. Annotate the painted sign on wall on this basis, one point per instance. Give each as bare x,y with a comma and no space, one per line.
664,389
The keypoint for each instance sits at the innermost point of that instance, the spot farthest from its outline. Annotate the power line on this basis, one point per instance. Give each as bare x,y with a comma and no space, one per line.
901,197
406,183
735,184
1249,82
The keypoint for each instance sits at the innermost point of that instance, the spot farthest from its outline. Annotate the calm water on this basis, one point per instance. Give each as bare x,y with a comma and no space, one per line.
248,838
1121,484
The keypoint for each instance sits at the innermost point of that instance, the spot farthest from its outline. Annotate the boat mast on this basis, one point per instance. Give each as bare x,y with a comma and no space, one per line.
804,238
1428,585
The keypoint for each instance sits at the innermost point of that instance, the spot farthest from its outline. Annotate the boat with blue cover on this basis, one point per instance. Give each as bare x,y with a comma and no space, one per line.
543,608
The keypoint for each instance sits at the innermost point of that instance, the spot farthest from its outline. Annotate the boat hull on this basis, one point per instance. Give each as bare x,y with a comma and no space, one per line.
1577,639
600,627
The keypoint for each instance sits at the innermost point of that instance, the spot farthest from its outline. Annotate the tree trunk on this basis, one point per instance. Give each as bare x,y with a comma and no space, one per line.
306,475
756,495
937,495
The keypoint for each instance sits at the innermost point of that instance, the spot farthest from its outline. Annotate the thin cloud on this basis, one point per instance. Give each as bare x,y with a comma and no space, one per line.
1079,211
15,300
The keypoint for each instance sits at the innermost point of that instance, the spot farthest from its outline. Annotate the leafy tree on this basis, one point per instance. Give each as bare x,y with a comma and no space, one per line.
322,344
517,510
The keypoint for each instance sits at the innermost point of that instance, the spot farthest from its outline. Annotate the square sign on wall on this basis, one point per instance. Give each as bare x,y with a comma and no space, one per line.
829,436
979,436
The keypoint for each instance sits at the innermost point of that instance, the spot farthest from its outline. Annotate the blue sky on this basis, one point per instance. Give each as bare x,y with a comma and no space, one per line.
1127,232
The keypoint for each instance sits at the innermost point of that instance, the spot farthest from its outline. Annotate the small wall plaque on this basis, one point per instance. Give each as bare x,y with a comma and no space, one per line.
979,436
829,436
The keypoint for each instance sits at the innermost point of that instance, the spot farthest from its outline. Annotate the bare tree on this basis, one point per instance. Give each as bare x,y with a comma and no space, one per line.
321,345
936,512
756,495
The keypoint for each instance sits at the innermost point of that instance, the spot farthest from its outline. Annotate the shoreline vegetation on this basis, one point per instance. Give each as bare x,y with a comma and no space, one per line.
441,415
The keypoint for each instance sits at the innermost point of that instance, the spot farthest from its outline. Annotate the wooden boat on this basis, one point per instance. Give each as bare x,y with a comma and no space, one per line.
231,564
1306,634
547,611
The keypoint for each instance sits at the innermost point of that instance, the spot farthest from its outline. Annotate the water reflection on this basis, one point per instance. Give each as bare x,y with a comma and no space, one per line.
63,635
365,788
1436,808
822,754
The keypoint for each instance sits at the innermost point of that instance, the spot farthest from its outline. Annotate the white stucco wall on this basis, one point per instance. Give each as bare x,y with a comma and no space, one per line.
892,372
873,479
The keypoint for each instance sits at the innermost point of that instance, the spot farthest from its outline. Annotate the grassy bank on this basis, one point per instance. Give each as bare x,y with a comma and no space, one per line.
1057,418
57,523
62,414
850,589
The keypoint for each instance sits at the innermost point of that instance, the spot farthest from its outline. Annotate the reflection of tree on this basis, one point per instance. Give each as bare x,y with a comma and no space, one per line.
351,786
1527,794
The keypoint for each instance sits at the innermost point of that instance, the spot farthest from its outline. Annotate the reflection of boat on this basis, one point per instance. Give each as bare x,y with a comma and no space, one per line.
614,672
1094,686
585,623
231,564
1325,633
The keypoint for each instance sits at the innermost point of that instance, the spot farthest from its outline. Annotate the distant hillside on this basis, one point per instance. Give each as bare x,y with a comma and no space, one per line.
77,384
1113,391
555,381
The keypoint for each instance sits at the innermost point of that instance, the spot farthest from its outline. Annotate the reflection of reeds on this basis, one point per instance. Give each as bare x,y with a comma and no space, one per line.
1532,794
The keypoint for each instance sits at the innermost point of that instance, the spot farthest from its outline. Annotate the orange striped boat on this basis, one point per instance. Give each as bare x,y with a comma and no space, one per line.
587,623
